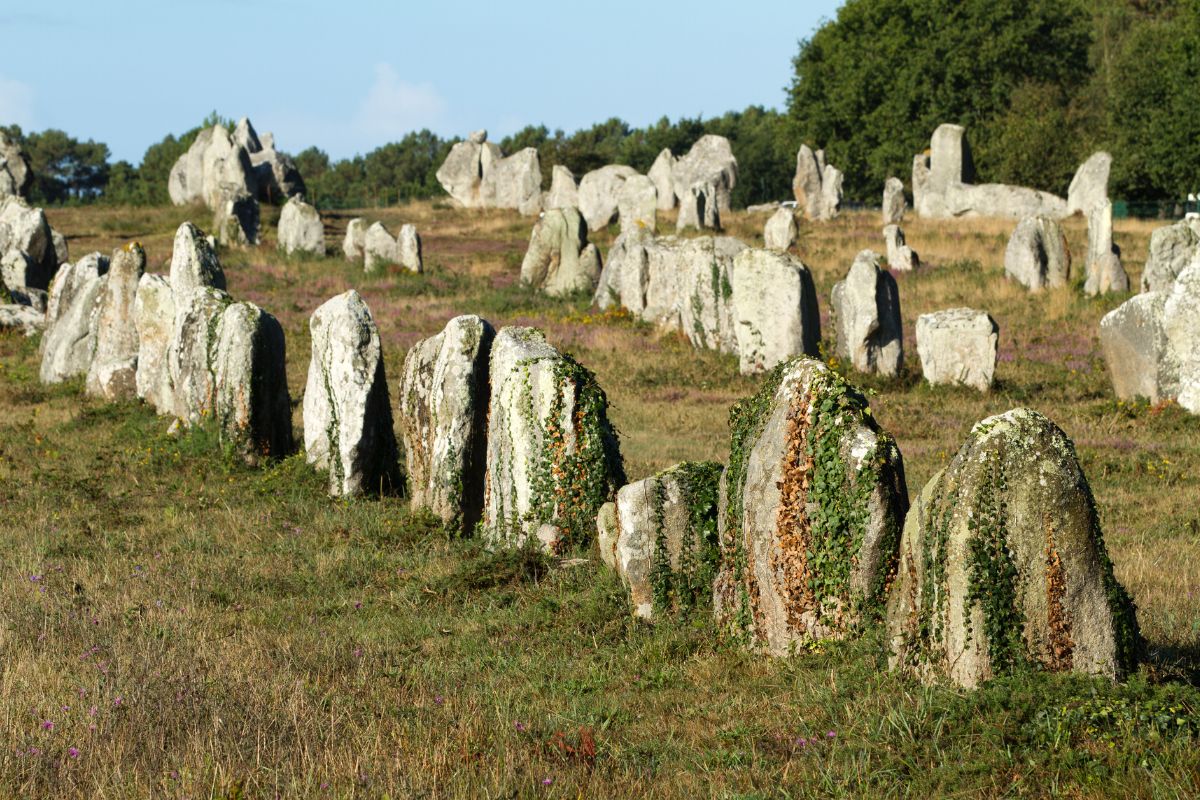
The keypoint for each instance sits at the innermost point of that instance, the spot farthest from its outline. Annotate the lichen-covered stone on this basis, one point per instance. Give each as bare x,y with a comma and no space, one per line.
236,221
666,548
1172,248
560,260
894,202
563,190
379,248
1089,187
698,208
408,249
958,346
812,504
817,186
1105,272
900,257
775,313
347,414
301,229
866,318
23,318
637,205
780,231
661,174
1037,256
710,161
355,240
1003,565
112,374
1181,325
194,263
608,528
28,256
599,194
1135,348
552,457
443,406
70,337
513,182
154,318
461,174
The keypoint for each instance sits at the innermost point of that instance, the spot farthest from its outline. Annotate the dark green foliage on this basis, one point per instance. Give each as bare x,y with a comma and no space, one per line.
689,587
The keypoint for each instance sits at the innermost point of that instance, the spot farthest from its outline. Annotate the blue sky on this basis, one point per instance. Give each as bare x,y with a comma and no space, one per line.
348,77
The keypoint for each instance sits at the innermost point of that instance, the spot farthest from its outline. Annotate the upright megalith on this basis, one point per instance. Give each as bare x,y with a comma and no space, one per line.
698,208
1089,187
253,407
355,241
600,192
780,231
347,414
1172,248
552,457
461,174
894,202
817,185
1105,272
112,374
69,340
30,250
564,192
1135,348
1003,565
513,182
194,263
15,175
637,206
775,309
1181,324
812,505
443,419
380,248
1037,256
408,248
900,257
236,220
300,228
666,549
661,174
711,162
154,319
866,318
958,346
559,260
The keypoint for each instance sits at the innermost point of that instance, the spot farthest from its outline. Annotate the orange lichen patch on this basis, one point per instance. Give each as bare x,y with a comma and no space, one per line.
792,532
1057,618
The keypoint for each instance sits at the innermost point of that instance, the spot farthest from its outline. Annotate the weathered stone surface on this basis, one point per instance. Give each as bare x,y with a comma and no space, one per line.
461,174
666,550
194,263
408,248
379,248
301,229
775,309
1003,565
236,221
552,457
70,338
69,281
275,174
112,374
23,318
1135,348
154,318
660,174
1089,187
866,318
599,193
28,257
355,242
1181,324
218,167
560,260
958,346
191,351
637,205
58,243
1105,272
36,299
563,191
15,174
1172,248
347,414
513,182
780,231
443,406
900,257
808,543
894,203
1037,256
608,529
253,406
763,208
710,161
698,208
816,185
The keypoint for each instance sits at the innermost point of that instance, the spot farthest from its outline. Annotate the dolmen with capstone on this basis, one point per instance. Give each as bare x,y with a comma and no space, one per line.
300,228
1037,256
559,260
1003,565
958,346
660,535
812,505
347,414
443,408
866,318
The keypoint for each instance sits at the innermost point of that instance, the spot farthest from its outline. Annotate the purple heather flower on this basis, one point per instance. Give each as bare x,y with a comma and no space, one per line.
47,725
73,752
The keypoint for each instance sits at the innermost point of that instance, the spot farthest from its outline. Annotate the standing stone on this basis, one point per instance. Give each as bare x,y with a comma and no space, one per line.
599,193
1003,565
806,185
710,161
608,530
236,221
563,191
780,230
15,174
831,190
300,228
194,263
112,375
1181,324
356,239
1172,248
461,174
347,414
666,549
154,318
28,258
514,182
958,346
894,204
253,406
20,317
1104,270
443,407
379,248
866,311
637,204
812,505
1135,348
192,353
1037,254
552,457
660,173
70,337
901,257
775,310
408,249
1089,187
698,208
560,260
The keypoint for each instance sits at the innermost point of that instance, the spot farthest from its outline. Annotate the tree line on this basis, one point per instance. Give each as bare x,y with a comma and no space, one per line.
1039,84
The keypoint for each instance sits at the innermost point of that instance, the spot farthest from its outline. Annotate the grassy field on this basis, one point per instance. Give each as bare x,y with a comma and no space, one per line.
176,624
